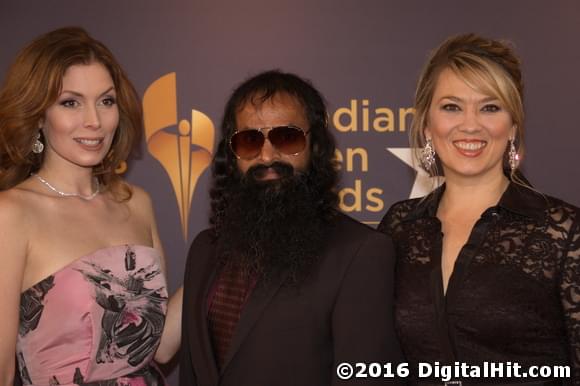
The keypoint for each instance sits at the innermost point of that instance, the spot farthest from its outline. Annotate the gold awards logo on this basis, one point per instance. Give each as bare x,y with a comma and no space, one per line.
184,148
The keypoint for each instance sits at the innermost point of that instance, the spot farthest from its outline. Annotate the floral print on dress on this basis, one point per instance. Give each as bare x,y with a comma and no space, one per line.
96,321
134,314
31,305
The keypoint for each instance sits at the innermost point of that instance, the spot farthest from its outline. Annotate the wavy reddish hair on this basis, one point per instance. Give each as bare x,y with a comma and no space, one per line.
33,84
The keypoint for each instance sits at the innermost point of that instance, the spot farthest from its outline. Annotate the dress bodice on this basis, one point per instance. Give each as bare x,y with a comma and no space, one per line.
97,321
512,296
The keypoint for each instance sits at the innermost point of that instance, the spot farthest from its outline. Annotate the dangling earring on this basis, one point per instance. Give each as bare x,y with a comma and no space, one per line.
513,156
37,146
428,155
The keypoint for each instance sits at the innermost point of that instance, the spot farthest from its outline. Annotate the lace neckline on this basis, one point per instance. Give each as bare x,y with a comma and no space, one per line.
517,199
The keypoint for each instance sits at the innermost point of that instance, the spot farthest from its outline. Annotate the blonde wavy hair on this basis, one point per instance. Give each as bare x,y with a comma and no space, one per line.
488,66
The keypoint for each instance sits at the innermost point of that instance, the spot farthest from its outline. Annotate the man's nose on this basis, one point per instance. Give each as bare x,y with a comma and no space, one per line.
268,152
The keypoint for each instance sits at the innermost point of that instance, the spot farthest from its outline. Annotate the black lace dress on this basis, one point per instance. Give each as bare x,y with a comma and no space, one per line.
514,294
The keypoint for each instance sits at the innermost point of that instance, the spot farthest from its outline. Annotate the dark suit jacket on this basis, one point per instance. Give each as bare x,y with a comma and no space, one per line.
297,335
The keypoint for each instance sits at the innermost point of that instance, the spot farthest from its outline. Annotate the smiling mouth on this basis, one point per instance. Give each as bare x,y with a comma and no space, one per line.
89,142
470,146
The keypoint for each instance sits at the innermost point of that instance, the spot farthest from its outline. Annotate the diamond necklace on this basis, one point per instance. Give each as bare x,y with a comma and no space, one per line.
64,194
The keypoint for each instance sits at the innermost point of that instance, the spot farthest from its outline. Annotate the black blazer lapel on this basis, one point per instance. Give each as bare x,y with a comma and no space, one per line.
252,311
200,341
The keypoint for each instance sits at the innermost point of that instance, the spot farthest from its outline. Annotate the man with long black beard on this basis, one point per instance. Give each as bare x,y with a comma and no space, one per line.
283,288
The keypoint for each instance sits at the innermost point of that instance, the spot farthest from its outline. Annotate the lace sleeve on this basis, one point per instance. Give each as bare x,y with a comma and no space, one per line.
386,224
570,296
394,215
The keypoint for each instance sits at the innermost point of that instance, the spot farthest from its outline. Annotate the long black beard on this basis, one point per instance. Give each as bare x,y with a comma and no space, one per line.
271,227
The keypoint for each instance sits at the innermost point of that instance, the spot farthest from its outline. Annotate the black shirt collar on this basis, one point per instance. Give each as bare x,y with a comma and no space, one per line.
524,201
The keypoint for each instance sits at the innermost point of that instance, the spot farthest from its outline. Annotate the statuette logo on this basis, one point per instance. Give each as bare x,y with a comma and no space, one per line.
184,148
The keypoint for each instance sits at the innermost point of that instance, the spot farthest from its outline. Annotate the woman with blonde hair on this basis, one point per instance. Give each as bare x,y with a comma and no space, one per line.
84,296
487,267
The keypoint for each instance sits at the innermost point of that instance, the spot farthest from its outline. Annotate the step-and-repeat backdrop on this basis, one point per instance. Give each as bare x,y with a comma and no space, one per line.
185,57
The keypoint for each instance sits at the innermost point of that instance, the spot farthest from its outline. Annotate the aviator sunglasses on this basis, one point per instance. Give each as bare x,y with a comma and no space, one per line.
288,140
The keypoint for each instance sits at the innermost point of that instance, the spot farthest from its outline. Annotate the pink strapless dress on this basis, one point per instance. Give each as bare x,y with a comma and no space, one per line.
96,321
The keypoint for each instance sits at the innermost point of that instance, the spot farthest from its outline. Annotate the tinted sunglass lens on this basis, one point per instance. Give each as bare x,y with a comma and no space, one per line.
288,139
247,143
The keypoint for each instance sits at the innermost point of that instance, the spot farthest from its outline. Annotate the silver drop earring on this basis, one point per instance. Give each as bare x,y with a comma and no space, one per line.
37,146
513,156
428,155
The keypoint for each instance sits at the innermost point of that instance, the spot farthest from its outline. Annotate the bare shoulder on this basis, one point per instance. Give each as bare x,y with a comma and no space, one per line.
15,207
142,207
15,223
140,196
140,202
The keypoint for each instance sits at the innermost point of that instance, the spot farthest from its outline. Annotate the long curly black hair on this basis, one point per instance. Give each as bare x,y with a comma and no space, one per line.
322,171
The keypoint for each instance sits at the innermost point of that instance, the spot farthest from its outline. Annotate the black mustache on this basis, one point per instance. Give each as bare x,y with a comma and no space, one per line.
281,168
